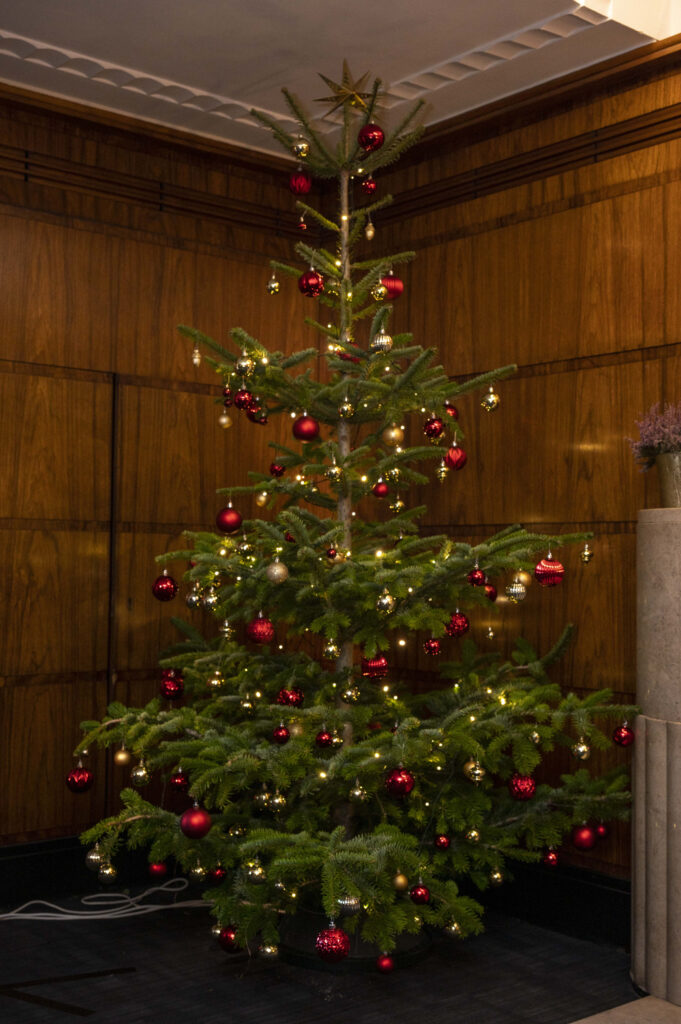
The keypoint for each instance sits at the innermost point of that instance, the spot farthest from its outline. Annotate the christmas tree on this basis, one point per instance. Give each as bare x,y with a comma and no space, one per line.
313,778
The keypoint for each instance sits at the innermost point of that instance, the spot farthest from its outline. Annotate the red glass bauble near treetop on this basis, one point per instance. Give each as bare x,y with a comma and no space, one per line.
399,782
380,489
260,630
457,625
385,963
456,457
476,578
164,587
623,735
602,830
306,428
522,787
332,944
433,428
195,823
300,182
276,469
442,842
549,572
179,781
243,398
172,687
79,779
375,668
311,283
227,938
550,858
281,735
293,698
158,869
324,738
228,520
432,647
584,837
490,592
370,137
369,186
451,410
419,894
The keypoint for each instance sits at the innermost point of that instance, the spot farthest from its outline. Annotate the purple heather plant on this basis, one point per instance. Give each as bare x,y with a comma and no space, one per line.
660,432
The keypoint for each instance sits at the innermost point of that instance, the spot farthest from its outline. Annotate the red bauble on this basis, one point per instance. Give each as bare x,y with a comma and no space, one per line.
228,396
384,963
522,787
79,779
380,489
375,668
399,782
623,735
419,894
256,414
158,870
228,520
550,858
331,553
294,697
490,592
324,738
164,588
584,837
332,944
306,428
602,831
260,630
289,538
370,137
431,647
179,781
394,285
433,428
442,842
196,823
172,684
456,457
549,572
369,186
476,578
348,357
311,283
227,938
217,873
243,398
276,469
300,182
457,625
375,726
281,735
451,410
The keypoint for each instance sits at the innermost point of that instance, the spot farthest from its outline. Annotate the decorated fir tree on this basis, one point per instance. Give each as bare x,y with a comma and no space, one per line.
313,778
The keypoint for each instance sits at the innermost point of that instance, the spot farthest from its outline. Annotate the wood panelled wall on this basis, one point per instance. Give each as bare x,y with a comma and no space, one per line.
551,243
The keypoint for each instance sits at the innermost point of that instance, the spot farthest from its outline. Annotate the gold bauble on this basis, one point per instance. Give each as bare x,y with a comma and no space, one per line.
278,802
268,951
535,737
209,598
215,681
245,548
93,858
393,436
216,931
581,750
385,603
379,292
400,882
346,410
276,572
369,231
453,929
474,771
273,285
336,739
197,873
122,756
442,471
523,577
244,365
348,905
496,877
490,634
255,873
397,506
516,592
261,499
331,649
300,147
262,801
490,401
351,695
393,475
226,630
225,420
246,705
586,554
334,473
235,831
473,836
358,793
107,872
139,776
296,729
381,342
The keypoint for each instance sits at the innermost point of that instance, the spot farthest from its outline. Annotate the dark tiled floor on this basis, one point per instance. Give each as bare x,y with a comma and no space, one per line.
167,968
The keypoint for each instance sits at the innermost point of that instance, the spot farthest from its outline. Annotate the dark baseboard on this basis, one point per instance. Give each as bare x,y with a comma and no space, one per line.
568,900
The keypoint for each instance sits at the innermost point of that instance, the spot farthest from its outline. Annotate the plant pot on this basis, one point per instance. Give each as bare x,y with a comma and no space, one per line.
669,472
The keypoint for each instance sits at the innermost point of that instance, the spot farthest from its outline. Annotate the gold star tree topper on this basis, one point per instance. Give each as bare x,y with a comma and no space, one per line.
345,91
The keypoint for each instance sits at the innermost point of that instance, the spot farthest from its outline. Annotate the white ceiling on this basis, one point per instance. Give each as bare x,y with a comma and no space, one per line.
200,65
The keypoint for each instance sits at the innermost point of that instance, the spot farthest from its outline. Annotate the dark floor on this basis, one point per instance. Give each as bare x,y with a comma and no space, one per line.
167,968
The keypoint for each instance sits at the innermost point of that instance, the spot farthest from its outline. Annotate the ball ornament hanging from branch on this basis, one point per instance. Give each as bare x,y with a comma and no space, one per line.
305,428
399,782
311,283
623,735
260,630
521,787
394,285
332,944
79,779
455,458
370,137
164,587
300,181
458,625
549,572
228,519
195,823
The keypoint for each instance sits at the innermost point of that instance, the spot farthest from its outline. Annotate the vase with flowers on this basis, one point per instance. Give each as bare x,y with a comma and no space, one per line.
659,445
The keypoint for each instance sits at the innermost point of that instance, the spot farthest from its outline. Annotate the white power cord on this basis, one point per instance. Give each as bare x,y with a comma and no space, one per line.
115,904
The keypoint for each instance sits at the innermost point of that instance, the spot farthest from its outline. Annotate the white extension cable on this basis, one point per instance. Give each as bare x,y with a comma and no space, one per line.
113,905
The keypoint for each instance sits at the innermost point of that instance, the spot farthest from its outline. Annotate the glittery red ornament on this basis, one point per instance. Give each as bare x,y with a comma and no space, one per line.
280,735
300,182
324,738
602,830
623,735
549,572
433,428
331,553
432,646
217,873
228,520
375,668
289,538
490,592
451,410
256,414
276,469
394,285
384,963
179,781
476,578
195,823
456,457
550,858
399,782
293,698
79,779
228,396
442,842
370,137
164,587
332,944
306,428
260,630
243,398
227,938
172,684
380,489
311,283
348,357
457,625
369,186
584,837
521,787
158,869
419,894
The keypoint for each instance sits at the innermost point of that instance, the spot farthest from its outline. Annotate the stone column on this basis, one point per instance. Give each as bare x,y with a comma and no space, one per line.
656,883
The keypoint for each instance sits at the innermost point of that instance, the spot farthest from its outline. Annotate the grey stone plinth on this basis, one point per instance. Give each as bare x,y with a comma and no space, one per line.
658,585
